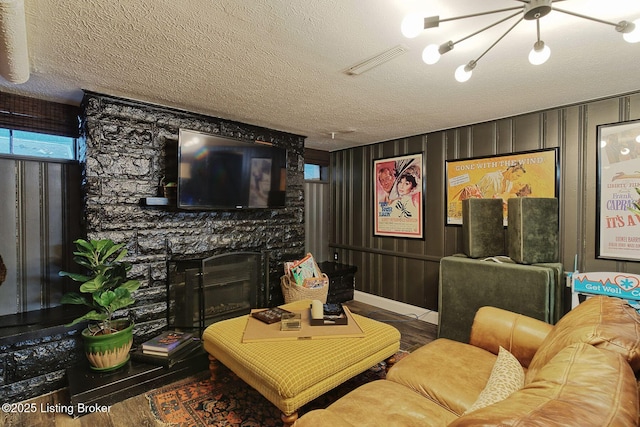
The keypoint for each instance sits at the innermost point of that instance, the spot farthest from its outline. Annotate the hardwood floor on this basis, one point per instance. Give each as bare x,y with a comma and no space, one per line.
413,332
136,410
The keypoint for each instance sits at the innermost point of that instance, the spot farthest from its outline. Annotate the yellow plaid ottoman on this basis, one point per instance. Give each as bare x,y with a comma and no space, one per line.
292,373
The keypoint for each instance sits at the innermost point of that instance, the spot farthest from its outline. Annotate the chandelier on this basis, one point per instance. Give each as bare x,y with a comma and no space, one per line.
413,25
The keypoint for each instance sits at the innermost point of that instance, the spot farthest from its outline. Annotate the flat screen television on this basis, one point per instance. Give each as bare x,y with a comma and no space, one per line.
216,172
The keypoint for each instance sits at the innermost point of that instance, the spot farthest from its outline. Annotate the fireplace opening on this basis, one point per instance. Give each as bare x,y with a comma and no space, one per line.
205,291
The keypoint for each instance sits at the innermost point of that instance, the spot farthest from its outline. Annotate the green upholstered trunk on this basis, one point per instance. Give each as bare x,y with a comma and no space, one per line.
559,287
532,232
482,228
467,284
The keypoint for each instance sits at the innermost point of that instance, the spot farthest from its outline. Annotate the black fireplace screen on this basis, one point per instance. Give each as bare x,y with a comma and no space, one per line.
202,292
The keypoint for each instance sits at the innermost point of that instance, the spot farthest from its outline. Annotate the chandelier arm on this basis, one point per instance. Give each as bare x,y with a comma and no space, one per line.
497,41
480,14
489,26
590,18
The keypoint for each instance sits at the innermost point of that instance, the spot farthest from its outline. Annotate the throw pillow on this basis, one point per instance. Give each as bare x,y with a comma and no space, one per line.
507,377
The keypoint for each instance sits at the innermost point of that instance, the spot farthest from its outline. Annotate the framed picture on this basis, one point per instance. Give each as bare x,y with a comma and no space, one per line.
618,191
524,174
399,196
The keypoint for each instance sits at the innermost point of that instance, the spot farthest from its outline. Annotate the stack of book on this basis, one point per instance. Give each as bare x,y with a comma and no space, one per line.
167,348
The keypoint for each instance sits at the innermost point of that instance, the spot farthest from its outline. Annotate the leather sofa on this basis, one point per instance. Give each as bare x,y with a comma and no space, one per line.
580,372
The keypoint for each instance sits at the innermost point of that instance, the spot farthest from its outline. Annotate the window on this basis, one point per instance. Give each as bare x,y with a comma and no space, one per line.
316,165
33,144
312,172
5,147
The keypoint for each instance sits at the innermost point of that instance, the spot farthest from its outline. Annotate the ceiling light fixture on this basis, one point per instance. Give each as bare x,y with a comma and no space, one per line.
412,25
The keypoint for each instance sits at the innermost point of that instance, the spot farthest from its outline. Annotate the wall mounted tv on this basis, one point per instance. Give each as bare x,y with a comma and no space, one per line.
215,172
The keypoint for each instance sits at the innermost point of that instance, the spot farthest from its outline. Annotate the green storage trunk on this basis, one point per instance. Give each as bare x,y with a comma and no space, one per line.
467,284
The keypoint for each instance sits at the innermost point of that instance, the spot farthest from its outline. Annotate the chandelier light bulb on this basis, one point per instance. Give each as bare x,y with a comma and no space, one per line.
463,73
633,36
412,25
539,53
431,54
638,138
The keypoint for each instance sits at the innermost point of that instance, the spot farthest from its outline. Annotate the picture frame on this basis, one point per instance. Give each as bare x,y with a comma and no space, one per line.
618,191
399,187
532,173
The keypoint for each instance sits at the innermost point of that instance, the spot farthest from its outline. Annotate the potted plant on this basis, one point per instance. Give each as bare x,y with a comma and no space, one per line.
104,289
169,190
636,204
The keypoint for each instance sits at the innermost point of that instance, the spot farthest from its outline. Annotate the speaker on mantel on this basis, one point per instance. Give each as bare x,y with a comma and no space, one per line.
532,232
482,228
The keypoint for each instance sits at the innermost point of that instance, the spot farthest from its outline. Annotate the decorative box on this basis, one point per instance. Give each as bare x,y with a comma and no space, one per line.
532,233
482,228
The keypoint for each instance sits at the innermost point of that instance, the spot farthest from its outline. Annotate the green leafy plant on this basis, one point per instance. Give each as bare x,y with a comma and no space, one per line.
636,204
105,287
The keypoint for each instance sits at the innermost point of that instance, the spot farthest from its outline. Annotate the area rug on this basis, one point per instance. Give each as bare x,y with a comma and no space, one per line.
228,401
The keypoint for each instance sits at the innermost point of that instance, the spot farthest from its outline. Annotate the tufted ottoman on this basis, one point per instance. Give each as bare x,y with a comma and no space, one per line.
292,373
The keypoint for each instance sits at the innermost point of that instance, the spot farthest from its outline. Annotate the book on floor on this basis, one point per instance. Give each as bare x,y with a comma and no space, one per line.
167,342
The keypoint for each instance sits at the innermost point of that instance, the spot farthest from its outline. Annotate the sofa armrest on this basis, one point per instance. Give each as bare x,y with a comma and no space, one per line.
521,335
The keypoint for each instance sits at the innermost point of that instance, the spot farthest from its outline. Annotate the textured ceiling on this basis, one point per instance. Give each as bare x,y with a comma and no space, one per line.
280,63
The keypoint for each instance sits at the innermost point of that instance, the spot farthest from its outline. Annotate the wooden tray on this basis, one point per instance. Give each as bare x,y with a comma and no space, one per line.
256,331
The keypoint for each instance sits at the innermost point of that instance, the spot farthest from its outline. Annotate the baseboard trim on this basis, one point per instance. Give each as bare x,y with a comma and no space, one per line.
423,314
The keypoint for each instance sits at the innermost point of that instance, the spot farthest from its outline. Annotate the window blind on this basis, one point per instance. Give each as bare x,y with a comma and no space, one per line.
37,115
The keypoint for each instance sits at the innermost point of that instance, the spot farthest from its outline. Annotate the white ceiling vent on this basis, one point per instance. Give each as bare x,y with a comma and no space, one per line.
376,60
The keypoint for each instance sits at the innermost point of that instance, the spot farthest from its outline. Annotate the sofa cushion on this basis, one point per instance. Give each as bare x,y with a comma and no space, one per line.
379,403
447,372
507,377
580,386
601,321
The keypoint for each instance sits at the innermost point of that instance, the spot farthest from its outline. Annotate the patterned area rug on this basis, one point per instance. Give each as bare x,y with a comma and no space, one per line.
228,401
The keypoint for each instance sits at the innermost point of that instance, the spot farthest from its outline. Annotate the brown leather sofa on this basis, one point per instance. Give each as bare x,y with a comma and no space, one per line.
579,372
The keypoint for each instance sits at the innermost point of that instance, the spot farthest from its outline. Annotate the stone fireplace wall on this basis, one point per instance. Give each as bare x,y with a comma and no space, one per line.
130,147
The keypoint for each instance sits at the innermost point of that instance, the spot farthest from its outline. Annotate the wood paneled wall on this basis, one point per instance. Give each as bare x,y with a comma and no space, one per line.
39,219
407,270
317,220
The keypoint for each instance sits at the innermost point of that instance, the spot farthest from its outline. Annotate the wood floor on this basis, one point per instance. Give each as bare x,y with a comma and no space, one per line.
413,332
136,411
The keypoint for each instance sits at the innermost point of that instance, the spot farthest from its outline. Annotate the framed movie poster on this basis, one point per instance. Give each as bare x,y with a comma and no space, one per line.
524,174
619,191
399,197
